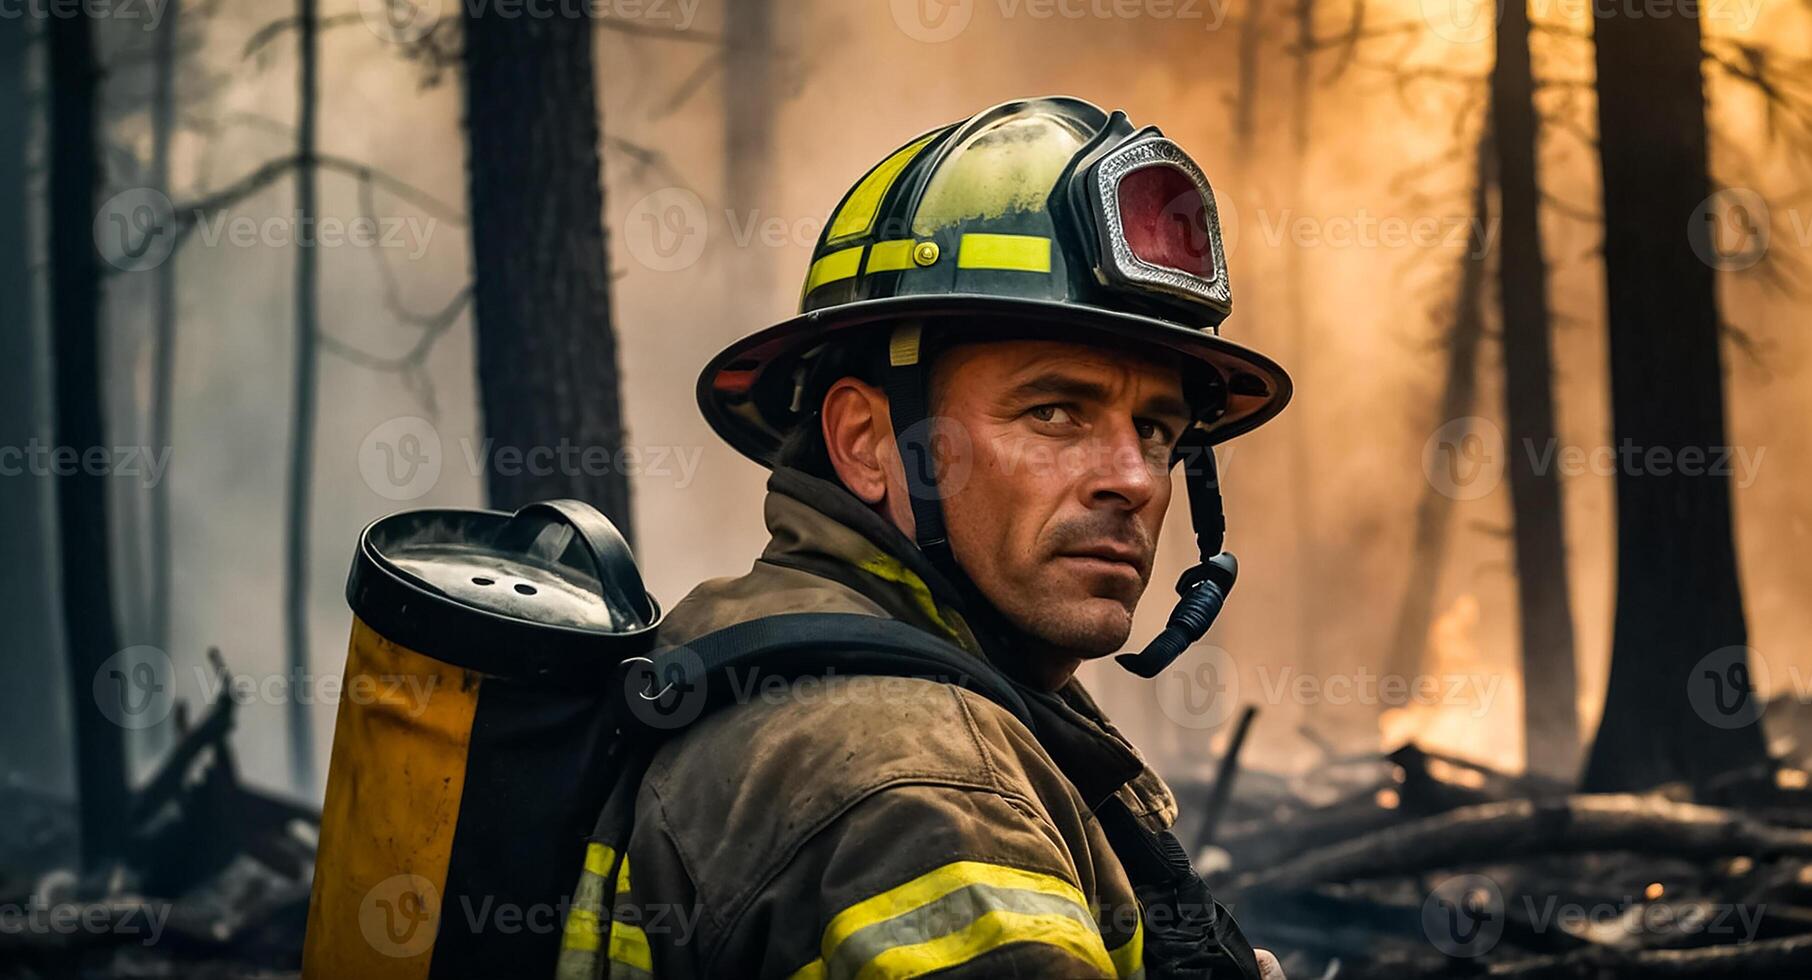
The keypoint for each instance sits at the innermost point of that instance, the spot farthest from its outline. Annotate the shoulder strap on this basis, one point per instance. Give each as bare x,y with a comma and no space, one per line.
794,645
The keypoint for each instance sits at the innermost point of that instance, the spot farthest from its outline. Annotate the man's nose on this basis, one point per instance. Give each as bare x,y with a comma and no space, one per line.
1119,471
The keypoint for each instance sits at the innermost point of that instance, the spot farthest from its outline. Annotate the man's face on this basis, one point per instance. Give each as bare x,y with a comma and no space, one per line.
1056,487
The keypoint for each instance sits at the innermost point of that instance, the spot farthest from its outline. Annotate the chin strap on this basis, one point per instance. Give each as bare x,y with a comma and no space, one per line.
1202,589
908,403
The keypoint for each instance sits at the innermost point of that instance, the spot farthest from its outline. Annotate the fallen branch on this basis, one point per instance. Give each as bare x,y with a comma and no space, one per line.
1791,957
1493,832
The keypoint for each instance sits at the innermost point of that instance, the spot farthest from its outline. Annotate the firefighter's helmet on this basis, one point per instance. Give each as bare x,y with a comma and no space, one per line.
1048,213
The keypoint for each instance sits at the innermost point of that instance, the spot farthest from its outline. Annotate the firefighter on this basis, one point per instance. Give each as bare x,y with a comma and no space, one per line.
1009,331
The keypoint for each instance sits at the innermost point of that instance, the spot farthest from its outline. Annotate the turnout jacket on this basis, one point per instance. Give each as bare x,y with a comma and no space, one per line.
865,826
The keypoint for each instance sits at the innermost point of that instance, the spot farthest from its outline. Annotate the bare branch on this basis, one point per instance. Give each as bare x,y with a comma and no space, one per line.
395,185
276,28
1570,209
638,29
691,84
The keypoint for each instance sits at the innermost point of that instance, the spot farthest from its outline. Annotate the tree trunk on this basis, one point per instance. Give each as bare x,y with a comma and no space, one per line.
163,329
1245,96
302,409
1298,429
1544,607
547,358
75,296
1459,392
1678,598
750,102
29,715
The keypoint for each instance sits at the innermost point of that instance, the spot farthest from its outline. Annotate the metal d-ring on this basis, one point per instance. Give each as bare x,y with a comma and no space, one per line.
644,693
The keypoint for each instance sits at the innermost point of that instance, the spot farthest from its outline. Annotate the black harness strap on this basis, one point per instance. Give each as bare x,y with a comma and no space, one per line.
794,645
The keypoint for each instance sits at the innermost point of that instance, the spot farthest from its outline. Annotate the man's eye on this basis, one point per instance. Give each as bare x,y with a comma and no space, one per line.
1051,413
1149,429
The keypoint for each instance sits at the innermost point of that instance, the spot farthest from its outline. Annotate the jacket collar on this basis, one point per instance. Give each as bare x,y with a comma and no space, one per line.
820,527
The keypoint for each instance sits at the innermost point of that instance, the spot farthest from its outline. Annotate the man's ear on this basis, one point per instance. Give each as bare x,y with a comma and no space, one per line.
858,436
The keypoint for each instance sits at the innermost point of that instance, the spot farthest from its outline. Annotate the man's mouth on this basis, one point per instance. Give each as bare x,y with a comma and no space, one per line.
1112,558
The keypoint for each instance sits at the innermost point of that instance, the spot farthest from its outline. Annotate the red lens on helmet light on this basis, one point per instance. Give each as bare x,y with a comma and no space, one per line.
1165,220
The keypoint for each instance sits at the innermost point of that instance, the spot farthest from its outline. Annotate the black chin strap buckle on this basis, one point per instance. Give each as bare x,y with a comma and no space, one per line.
1204,591
1204,587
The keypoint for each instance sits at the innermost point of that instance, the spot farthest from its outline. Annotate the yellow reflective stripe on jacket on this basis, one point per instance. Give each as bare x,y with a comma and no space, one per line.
1129,956
584,931
953,914
628,952
630,956
890,569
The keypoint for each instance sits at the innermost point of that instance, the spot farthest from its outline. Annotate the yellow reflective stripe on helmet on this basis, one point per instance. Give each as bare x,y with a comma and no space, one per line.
1019,253
841,264
953,914
857,217
892,256
1129,957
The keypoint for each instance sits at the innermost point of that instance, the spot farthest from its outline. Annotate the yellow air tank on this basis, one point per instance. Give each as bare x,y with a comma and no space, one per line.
471,739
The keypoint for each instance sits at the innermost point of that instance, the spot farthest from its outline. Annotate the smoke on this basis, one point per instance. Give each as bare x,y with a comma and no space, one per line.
695,268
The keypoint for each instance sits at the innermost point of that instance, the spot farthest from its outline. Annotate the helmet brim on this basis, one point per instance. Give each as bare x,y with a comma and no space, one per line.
1258,388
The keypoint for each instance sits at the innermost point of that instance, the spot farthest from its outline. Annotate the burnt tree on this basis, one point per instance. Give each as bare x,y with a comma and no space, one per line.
1459,392
1544,608
547,358
1678,597
30,720
302,405
163,329
86,582
751,98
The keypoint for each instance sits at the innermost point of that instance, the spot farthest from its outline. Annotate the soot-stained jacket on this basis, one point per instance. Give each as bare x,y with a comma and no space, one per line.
865,826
